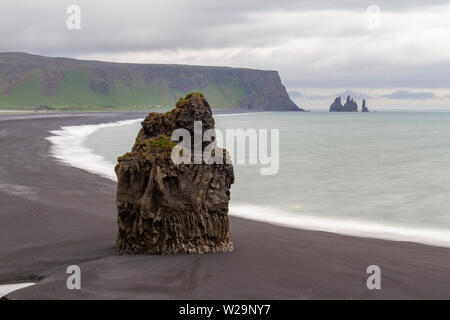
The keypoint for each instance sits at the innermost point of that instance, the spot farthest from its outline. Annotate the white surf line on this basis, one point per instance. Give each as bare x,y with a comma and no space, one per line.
67,146
8,288
364,229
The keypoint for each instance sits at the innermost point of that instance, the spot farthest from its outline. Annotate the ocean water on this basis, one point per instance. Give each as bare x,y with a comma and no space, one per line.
380,174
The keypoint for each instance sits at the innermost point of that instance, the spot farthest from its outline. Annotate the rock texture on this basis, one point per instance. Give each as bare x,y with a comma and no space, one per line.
165,208
274,97
349,106
364,107
336,106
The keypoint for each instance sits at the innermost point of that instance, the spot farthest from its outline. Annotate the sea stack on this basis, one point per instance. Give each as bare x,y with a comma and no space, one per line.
336,106
168,208
364,108
349,106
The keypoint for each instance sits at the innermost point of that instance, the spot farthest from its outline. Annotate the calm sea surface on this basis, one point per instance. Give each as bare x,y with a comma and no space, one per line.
386,168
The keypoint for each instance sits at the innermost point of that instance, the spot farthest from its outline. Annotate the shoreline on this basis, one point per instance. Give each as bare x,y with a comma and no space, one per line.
8,288
67,146
56,215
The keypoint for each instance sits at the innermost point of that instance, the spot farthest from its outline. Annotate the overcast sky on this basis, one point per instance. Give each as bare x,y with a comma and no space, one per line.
399,58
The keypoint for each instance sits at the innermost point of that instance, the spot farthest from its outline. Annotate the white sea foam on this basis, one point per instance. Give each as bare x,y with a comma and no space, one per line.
67,146
369,229
8,288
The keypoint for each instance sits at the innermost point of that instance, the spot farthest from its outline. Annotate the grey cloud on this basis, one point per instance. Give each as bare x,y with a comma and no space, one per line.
405,94
134,25
353,94
108,26
380,75
295,94
316,49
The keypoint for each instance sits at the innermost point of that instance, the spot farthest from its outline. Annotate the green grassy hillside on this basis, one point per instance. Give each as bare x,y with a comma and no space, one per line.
28,81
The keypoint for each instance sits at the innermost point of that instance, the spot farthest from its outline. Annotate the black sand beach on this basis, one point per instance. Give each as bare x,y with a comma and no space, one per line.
53,215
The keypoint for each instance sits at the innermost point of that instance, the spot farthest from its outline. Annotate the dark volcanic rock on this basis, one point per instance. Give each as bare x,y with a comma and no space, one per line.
364,108
273,97
336,106
349,106
164,208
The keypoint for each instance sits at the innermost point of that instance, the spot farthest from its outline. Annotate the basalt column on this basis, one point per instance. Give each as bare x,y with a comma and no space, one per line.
168,208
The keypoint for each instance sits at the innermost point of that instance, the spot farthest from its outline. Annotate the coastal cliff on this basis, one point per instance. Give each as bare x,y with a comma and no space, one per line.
167,208
28,81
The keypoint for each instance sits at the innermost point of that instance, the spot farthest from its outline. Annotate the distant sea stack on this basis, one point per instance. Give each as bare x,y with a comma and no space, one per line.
364,108
337,106
27,81
349,106
164,208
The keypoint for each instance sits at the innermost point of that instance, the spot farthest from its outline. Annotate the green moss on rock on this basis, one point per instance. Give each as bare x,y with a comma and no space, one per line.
182,101
149,148
160,144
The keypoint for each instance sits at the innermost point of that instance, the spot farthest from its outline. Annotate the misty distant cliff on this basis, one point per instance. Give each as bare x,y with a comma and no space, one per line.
30,80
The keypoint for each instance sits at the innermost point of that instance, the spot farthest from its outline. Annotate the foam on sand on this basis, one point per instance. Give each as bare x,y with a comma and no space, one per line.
367,229
8,288
67,146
